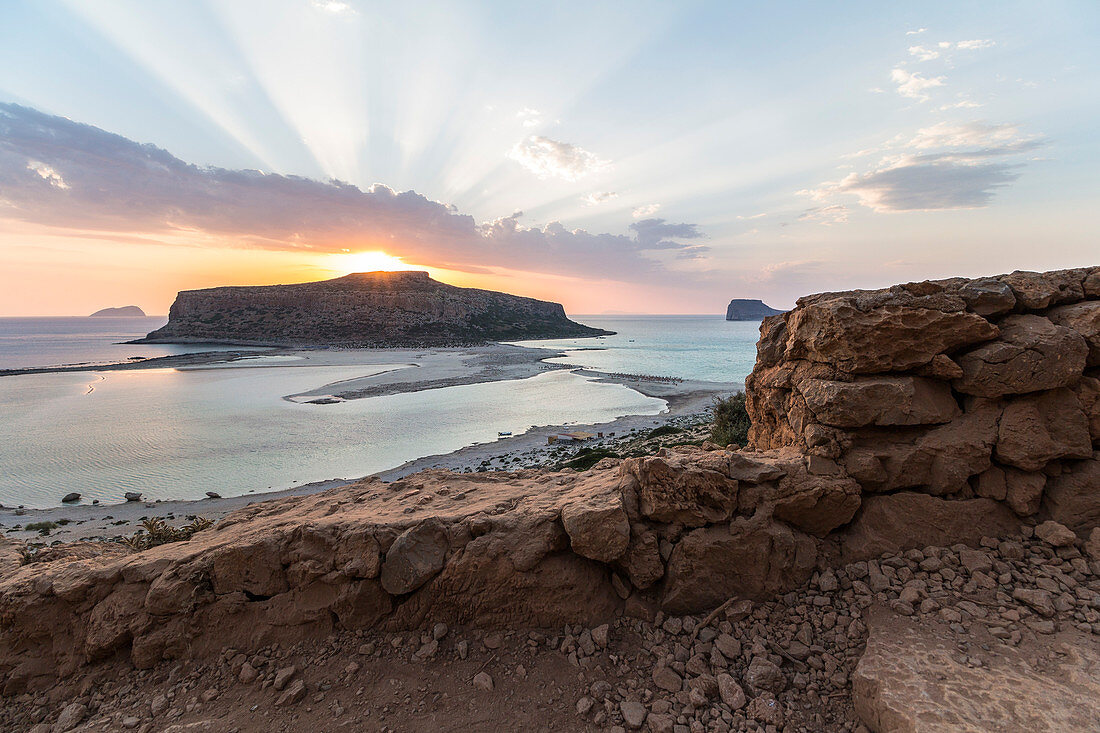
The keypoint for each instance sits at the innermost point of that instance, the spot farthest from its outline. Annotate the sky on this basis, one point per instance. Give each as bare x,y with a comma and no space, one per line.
646,157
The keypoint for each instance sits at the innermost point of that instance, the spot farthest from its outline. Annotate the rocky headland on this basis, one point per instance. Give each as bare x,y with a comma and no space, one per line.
366,309
126,311
743,309
909,543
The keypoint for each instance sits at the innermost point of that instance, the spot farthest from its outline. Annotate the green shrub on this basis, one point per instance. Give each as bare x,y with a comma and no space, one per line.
731,420
42,528
664,430
586,458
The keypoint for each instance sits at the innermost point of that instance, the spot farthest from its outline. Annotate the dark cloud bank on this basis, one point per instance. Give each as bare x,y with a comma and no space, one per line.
58,172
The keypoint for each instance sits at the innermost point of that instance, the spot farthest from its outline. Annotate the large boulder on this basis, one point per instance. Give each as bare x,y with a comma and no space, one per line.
885,338
1039,290
415,557
749,559
1031,355
1084,318
908,520
1088,394
816,504
693,489
597,526
1072,498
1038,428
939,461
880,401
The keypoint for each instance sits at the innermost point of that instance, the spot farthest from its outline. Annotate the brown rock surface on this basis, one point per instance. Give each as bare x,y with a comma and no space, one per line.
1032,354
1038,428
1084,318
910,680
880,401
1073,496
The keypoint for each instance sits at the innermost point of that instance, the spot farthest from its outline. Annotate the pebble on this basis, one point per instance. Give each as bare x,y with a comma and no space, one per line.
482,681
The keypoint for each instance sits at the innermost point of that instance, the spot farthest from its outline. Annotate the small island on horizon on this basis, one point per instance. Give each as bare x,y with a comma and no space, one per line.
126,311
744,309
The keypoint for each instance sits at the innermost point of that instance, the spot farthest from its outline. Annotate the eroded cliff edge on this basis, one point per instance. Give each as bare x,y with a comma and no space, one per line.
366,309
928,414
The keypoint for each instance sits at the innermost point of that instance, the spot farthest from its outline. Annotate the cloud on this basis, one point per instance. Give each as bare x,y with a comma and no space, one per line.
944,166
923,54
1003,138
530,117
59,173
917,32
648,210
926,183
333,6
598,197
548,158
913,84
828,215
975,45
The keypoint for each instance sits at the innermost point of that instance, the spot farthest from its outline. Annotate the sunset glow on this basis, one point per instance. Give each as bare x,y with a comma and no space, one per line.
366,262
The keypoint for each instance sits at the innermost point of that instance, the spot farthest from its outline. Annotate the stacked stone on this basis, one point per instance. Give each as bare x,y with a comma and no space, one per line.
954,388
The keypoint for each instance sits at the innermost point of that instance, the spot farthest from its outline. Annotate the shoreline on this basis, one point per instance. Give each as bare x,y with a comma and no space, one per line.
687,401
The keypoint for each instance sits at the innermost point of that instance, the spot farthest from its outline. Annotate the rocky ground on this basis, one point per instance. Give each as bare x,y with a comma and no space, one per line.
999,637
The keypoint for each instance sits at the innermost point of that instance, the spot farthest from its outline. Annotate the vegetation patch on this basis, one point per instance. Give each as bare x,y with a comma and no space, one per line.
664,430
156,531
42,528
731,420
586,458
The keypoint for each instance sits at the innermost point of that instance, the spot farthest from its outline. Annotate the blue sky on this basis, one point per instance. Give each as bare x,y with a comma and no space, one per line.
668,156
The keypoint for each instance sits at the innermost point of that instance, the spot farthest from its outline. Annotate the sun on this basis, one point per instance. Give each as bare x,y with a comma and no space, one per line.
365,262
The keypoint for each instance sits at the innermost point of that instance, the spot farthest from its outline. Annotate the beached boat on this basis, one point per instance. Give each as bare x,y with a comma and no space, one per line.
504,434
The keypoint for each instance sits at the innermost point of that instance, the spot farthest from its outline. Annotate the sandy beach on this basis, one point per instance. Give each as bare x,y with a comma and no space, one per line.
412,370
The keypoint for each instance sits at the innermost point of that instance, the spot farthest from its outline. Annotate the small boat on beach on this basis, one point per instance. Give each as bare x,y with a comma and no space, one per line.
504,434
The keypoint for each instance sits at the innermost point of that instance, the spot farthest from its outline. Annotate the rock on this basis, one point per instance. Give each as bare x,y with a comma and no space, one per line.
880,400
634,713
597,527
906,520
1092,545
988,296
816,504
132,496
293,694
763,674
248,674
1055,534
683,488
213,495
584,705
642,561
158,705
1031,355
1039,290
728,645
667,678
415,557
1071,498
975,561
1039,600
439,630
1088,394
482,681
767,710
1038,428
71,497
71,716
1084,318
749,559
865,338
283,676
130,722
600,635
1024,491
730,692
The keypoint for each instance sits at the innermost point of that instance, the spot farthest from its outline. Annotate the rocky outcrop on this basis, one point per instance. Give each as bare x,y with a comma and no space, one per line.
954,389
744,309
126,311
363,309
928,415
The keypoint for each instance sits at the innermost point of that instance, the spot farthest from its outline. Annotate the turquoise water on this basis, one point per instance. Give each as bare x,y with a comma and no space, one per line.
690,347
178,434
37,342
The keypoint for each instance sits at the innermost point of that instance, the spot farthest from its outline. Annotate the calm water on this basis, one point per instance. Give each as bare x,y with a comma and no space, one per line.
690,347
31,342
176,434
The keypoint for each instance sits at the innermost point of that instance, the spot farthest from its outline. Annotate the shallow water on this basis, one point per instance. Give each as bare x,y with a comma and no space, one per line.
177,434
689,347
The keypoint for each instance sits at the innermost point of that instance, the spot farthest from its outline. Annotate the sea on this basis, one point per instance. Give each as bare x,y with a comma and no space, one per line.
176,434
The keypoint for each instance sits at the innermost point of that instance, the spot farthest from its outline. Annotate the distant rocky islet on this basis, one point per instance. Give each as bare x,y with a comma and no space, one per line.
126,311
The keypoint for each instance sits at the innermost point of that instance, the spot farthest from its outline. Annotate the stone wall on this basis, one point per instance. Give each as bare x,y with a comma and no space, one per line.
953,389
929,414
